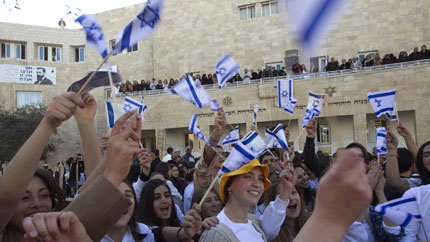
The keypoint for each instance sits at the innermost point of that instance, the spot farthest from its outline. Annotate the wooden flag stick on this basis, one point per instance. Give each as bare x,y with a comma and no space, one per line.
397,113
298,137
209,188
92,74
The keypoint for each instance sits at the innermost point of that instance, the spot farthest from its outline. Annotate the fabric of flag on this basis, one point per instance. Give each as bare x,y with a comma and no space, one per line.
382,102
402,211
113,112
289,107
226,68
130,104
140,27
314,107
143,106
193,128
238,157
232,137
393,115
11,4
215,105
188,90
94,33
255,114
276,138
381,141
254,142
313,19
100,79
285,92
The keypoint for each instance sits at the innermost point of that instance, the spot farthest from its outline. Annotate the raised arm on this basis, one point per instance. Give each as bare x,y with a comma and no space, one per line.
409,140
309,156
90,143
220,123
23,165
392,167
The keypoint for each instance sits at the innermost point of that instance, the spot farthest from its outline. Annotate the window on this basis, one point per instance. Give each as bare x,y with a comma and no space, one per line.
49,53
362,55
28,99
277,65
189,140
323,135
269,9
247,12
56,54
132,48
322,64
79,54
43,53
5,50
372,125
20,51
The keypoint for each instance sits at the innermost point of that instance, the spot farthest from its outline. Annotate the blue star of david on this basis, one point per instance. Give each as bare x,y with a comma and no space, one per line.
127,107
378,102
284,93
221,71
228,137
315,104
149,16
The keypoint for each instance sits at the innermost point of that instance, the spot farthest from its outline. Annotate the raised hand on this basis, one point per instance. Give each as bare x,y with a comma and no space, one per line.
192,221
311,128
145,161
374,173
88,111
62,108
208,223
403,130
288,179
392,141
62,226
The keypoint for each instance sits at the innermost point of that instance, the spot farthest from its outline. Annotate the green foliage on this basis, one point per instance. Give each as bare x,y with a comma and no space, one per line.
16,126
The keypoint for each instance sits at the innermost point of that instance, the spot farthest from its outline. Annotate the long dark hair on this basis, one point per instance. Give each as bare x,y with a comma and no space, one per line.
55,192
363,150
146,206
132,222
424,173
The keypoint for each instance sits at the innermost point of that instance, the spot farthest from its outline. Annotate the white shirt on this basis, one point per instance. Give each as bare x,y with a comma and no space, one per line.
166,158
243,231
142,228
188,195
358,232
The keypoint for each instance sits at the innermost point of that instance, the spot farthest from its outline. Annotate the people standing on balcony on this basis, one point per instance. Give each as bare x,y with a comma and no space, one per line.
425,52
377,61
210,79
136,86
297,68
343,66
152,85
368,61
165,84
403,57
416,55
159,85
356,64
246,76
282,72
274,71
267,72
333,65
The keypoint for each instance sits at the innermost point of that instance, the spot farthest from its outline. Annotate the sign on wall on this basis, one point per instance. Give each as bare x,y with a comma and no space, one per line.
28,74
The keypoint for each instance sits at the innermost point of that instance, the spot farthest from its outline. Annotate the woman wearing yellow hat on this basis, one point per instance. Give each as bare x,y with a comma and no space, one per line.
241,189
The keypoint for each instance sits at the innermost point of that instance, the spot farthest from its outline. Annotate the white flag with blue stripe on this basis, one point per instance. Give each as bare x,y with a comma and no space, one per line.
255,114
130,104
276,138
195,129
188,90
382,102
289,107
312,20
285,91
93,30
232,137
215,105
402,211
140,27
226,68
254,142
393,115
381,141
314,107
238,157
113,112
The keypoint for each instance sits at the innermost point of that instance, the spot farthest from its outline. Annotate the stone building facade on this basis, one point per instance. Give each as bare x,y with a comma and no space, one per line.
193,35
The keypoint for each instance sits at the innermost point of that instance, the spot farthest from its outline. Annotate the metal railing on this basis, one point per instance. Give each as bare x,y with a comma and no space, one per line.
296,77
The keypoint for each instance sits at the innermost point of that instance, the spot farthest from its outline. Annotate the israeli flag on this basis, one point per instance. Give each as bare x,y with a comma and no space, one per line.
381,141
382,102
285,92
314,107
226,68
215,105
130,104
232,137
193,128
254,142
289,107
313,19
255,114
402,211
276,138
140,27
393,115
188,90
238,157
94,33
113,112
143,106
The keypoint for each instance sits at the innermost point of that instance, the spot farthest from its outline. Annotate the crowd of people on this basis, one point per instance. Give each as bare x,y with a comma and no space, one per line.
131,194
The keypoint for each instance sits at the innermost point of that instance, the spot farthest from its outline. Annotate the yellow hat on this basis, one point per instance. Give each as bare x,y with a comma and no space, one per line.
243,170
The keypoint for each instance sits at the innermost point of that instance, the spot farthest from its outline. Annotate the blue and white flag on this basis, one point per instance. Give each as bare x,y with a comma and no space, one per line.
215,105
130,104
276,138
188,90
226,68
232,137
113,112
382,102
140,27
255,114
193,128
238,157
393,115
289,107
313,19
143,106
314,107
94,33
254,142
285,92
402,211
11,5
381,141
